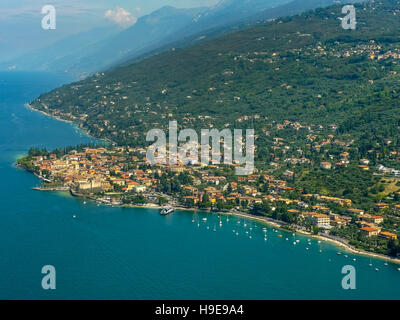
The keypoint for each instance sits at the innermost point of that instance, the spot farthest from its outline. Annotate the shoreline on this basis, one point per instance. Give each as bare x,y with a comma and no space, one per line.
72,123
265,220
278,224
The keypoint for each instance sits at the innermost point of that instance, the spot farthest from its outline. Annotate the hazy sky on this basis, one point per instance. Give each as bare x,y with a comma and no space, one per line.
20,20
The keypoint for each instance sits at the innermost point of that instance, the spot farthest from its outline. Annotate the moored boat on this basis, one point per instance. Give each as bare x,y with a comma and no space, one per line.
167,210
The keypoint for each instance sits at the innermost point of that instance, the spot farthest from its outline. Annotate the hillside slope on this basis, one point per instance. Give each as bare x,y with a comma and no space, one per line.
302,69
88,52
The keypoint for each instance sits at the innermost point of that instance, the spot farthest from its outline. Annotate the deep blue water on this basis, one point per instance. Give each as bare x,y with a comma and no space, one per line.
116,253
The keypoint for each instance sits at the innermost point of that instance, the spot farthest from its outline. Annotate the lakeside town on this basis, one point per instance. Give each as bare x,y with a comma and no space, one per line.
117,175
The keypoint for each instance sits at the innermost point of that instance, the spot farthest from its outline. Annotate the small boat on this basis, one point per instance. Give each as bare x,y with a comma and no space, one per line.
338,253
370,264
376,269
386,263
398,269
74,216
204,219
167,210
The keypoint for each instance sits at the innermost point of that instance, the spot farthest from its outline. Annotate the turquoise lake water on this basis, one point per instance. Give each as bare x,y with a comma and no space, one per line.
117,253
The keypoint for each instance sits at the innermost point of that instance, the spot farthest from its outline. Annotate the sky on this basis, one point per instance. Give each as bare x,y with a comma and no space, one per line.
21,20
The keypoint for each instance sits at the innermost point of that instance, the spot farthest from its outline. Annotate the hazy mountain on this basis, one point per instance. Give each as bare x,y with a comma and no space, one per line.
87,52
149,31
218,26
100,49
58,56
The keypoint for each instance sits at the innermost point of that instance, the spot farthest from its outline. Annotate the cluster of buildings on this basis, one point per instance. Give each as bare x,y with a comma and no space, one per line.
124,170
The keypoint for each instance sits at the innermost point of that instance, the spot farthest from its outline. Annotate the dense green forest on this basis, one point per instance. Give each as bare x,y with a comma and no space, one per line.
304,68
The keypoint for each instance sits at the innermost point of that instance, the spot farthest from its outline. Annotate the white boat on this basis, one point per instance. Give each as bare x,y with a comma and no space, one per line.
167,210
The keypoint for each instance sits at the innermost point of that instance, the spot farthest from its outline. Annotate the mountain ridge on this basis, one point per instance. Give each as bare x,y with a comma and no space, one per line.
152,33
258,71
